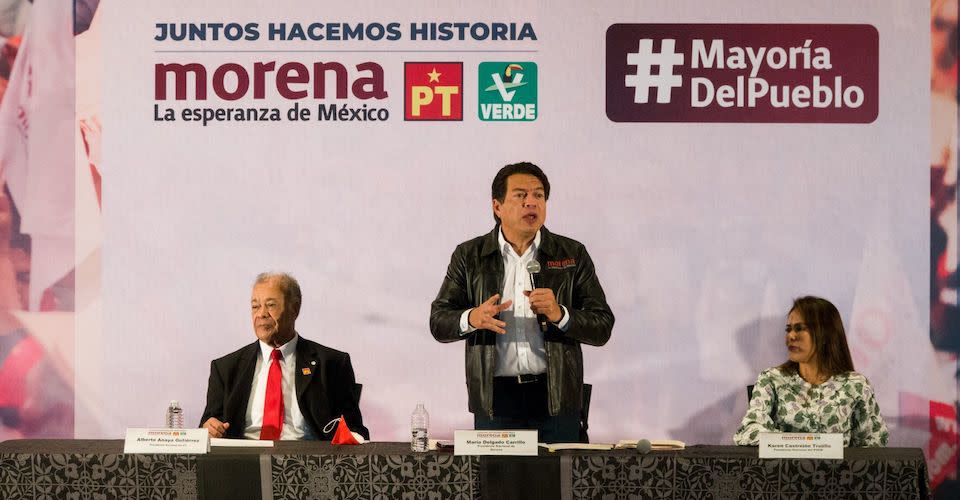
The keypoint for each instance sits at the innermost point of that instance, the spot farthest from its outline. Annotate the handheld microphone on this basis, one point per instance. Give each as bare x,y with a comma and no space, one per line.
643,446
533,267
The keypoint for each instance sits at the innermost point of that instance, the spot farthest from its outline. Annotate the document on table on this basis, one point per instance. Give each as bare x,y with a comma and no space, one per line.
241,443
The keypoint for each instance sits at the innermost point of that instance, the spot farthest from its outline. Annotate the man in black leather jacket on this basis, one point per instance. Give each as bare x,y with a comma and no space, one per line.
524,366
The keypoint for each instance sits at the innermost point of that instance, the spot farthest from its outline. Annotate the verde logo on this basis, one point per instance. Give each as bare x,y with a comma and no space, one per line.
508,91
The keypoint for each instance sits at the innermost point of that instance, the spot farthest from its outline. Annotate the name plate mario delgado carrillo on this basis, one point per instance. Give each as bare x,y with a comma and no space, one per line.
495,443
167,441
800,445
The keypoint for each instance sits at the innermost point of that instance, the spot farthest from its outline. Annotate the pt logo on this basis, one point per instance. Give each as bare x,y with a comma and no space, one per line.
508,91
645,59
433,91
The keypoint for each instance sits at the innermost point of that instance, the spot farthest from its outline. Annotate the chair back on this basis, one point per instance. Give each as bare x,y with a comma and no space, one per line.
585,413
357,389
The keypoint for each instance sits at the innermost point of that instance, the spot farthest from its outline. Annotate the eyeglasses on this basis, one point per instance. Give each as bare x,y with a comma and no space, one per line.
796,328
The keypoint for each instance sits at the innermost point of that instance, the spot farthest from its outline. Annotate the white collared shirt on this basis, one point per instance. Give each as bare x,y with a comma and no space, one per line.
294,426
521,350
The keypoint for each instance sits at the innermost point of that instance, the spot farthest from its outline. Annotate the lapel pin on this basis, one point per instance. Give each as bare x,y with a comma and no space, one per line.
305,371
313,362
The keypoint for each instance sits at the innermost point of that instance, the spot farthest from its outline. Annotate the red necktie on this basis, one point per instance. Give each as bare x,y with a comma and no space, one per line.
273,403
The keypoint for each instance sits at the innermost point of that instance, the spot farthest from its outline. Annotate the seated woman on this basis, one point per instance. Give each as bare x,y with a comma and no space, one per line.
816,390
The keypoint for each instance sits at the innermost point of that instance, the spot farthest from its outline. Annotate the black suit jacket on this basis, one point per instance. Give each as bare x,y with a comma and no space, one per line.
323,394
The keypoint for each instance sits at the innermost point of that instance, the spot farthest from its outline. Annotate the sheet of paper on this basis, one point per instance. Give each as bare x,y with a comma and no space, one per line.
241,443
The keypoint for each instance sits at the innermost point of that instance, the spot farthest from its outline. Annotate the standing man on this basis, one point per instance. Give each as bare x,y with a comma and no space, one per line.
524,366
282,386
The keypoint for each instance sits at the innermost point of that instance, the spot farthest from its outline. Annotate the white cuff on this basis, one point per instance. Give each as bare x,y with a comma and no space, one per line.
564,321
465,327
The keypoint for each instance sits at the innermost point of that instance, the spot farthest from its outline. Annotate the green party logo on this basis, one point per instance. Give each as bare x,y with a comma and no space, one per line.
508,91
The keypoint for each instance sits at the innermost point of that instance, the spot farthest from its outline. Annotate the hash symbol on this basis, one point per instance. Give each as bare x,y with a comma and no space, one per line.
644,59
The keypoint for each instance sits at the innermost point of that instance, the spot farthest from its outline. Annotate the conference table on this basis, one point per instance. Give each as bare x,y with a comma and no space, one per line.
301,470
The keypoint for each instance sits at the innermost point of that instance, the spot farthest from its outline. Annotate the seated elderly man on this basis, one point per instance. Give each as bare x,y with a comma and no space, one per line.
282,386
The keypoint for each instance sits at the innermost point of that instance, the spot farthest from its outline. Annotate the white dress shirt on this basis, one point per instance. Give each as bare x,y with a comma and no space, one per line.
294,426
520,351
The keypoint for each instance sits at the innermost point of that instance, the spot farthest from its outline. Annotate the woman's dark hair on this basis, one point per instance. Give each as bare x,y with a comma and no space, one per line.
826,331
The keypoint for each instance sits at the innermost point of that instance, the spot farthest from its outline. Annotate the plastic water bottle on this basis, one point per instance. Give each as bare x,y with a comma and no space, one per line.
419,422
174,416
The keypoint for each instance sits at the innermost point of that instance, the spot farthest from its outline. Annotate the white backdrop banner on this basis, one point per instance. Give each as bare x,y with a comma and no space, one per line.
750,153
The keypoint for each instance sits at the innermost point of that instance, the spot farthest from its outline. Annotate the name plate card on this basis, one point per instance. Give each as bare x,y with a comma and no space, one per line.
801,445
515,443
195,441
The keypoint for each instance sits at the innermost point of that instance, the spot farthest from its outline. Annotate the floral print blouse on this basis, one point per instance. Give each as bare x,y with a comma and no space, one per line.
785,402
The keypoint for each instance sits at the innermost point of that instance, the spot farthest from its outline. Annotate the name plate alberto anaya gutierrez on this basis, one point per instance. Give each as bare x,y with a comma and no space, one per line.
196,441
515,443
801,445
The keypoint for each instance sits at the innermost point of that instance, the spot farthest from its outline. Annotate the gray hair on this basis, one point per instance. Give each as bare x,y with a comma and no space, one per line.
288,285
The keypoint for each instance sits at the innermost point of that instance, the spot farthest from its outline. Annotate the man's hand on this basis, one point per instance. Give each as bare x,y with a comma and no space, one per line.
543,301
483,316
216,428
